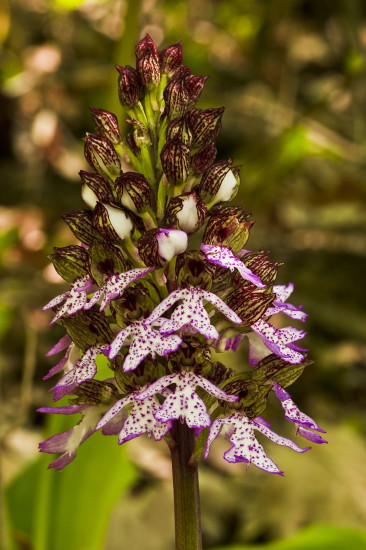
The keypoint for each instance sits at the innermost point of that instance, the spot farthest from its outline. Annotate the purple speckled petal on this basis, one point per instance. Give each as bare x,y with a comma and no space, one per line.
292,412
224,257
141,420
220,305
167,303
283,291
257,348
84,369
245,447
115,285
118,341
74,299
277,340
214,390
190,314
113,411
62,344
279,440
157,386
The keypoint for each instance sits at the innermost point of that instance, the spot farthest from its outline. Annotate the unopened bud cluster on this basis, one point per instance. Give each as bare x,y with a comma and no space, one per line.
153,303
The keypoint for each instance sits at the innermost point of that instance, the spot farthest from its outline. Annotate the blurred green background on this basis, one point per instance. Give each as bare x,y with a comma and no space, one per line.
292,76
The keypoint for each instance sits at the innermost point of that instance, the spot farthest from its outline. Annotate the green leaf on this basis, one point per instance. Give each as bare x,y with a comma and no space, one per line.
69,509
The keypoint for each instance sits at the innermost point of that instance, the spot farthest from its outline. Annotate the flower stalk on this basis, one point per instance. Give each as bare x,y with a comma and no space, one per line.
187,513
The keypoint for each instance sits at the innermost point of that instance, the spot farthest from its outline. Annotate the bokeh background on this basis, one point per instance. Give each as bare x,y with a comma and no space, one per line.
292,76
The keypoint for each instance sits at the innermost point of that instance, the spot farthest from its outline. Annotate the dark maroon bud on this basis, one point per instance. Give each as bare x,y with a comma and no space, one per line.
81,224
70,262
249,302
130,87
171,59
106,124
95,188
111,222
193,270
204,158
186,212
158,246
134,191
204,125
147,62
260,265
228,227
219,183
176,98
178,129
194,85
100,154
183,70
176,161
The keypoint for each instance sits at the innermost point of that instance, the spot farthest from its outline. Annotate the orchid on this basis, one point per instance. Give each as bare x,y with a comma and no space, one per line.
74,299
145,340
191,315
141,419
115,285
184,403
224,257
168,307
245,447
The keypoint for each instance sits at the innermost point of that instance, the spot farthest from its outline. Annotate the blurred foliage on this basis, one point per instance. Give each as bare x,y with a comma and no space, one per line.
291,74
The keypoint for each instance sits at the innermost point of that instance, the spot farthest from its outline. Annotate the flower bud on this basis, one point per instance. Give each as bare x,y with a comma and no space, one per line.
176,98
87,328
259,264
249,302
204,125
70,262
135,303
219,183
276,369
113,223
134,191
147,62
130,88
141,134
81,224
178,130
186,212
204,158
95,392
100,154
193,270
176,161
252,396
106,124
171,59
228,227
194,85
106,260
95,188
158,246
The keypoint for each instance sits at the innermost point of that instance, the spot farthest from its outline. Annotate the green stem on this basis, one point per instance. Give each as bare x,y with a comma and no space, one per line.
186,491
